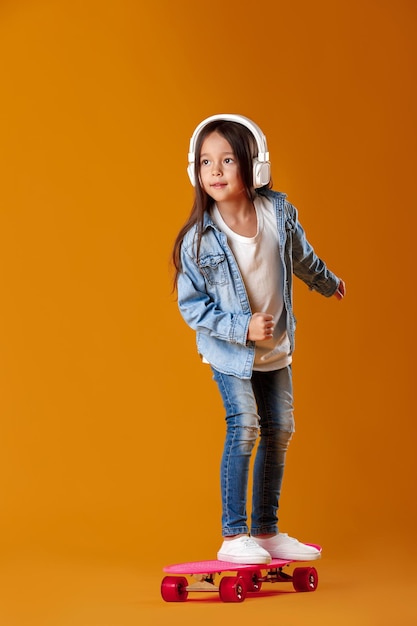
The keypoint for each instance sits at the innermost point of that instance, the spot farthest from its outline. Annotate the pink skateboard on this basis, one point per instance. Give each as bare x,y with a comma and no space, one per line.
246,578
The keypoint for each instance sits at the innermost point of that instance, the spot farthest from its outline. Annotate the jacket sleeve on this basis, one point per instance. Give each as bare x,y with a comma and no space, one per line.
307,266
201,312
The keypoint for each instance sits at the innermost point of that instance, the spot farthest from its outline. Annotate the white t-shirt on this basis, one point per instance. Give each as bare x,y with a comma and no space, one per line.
260,264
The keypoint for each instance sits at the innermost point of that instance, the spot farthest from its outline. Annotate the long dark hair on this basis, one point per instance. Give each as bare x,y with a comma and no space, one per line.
245,149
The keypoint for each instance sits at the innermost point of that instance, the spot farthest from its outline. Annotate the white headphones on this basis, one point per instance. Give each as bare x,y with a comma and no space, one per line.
261,164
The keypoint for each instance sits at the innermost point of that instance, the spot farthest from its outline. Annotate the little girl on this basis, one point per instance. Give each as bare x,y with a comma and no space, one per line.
234,260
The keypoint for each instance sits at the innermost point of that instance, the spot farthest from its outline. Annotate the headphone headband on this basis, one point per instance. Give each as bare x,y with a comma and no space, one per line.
261,161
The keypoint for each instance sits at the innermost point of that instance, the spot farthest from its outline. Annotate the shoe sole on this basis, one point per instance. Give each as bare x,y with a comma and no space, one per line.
242,561
299,557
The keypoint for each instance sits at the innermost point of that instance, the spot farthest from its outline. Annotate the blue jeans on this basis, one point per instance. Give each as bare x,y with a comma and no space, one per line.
261,406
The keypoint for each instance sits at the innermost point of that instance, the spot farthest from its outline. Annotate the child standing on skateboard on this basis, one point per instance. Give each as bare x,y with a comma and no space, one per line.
234,260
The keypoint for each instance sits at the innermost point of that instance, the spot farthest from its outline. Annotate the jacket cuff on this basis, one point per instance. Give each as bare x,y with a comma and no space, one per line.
239,329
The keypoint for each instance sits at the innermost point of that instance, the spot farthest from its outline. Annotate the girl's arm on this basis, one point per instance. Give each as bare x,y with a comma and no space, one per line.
201,312
310,268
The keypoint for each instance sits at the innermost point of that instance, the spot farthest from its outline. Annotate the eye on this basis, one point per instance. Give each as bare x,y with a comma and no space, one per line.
204,162
228,160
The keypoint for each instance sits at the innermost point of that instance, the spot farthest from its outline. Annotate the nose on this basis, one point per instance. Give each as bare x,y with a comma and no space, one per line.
216,169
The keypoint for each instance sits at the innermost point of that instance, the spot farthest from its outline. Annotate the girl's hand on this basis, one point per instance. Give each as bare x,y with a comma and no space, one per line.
340,291
261,327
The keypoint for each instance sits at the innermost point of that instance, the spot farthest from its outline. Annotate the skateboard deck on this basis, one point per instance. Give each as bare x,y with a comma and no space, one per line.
233,588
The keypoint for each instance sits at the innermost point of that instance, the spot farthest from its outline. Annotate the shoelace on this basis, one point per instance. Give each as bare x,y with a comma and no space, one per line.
249,542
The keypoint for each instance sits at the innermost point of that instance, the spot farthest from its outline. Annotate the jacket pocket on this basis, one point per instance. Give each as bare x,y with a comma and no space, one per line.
213,267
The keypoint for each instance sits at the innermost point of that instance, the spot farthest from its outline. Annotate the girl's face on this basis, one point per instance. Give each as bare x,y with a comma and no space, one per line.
219,170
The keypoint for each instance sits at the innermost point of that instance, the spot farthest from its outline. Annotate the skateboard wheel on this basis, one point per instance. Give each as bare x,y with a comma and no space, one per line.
174,589
232,589
252,580
305,579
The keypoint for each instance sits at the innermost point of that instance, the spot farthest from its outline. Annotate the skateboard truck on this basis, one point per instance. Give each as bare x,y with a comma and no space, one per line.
203,583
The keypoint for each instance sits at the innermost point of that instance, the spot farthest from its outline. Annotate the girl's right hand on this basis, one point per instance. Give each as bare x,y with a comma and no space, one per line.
341,290
261,327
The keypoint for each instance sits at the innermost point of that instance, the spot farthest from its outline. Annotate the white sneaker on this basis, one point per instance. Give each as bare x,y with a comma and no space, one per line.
243,550
282,546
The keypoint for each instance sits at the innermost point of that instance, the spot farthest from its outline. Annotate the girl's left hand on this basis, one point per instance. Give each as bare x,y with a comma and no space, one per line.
340,291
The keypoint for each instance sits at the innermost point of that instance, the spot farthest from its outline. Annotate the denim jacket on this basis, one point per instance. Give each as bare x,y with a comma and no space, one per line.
212,297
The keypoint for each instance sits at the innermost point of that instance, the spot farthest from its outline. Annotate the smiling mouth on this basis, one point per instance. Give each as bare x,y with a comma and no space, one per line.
218,185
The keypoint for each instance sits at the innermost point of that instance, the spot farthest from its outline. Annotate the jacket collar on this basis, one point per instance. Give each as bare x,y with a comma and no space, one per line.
208,222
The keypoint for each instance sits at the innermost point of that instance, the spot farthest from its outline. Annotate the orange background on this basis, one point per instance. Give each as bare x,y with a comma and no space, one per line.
111,430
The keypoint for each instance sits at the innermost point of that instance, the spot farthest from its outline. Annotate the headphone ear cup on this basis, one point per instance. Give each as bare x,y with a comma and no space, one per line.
261,173
190,172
